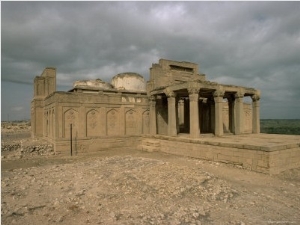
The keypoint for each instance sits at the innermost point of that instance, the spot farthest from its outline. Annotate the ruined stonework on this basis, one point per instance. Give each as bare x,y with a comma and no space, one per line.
185,102
177,111
176,99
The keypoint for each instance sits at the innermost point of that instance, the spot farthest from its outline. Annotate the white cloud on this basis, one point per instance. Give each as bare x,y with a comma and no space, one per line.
17,108
243,43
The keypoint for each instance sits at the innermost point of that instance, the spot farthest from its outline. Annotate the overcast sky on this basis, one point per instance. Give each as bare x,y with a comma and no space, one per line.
253,44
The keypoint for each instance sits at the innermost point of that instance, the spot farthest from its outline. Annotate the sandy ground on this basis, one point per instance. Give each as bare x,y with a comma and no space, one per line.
126,186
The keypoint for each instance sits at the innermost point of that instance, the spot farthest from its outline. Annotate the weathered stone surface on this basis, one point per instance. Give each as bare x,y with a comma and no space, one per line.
129,81
98,83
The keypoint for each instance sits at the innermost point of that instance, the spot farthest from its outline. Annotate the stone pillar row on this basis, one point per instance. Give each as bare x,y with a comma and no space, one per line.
236,112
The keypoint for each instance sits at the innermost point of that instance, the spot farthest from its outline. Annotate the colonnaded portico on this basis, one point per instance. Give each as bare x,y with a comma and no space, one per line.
182,101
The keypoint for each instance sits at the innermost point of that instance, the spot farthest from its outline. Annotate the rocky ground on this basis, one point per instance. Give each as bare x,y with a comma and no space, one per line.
126,186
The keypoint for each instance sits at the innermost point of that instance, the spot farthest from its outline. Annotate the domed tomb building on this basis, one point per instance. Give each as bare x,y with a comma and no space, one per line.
176,100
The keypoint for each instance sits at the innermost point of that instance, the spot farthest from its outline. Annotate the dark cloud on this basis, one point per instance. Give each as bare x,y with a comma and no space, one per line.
244,43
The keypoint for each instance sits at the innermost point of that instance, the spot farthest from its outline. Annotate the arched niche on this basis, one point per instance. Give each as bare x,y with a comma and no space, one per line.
92,123
145,122
70,116
131,122
112,122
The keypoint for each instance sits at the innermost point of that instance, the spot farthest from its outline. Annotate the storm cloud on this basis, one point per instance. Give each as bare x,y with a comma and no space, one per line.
254,44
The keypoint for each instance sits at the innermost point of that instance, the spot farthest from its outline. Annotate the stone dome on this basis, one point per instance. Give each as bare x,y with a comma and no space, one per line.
93,84
129,81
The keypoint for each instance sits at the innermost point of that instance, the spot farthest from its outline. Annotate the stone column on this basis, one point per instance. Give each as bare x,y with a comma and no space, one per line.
239,113
255,114
172,126
180,112
186,128
194,112
218,98
152,119
231,113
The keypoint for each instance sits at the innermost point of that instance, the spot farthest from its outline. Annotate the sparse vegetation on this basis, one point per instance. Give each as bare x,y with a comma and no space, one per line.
276,126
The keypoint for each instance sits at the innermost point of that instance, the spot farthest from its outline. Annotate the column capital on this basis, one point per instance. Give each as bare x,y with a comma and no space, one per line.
169,93
255,97
239,94
218,93
230,98
180,101
193,89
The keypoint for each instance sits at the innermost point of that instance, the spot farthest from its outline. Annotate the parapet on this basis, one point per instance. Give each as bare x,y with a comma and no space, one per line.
92,84
129,81
168,72
45,84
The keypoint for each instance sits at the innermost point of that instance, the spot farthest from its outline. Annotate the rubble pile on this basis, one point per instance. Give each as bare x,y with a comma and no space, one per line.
25,148
10,147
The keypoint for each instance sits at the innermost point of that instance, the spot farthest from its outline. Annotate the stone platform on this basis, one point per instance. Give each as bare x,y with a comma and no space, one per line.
266,153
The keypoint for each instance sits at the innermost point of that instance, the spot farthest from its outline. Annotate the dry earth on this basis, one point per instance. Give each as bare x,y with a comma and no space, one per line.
126,186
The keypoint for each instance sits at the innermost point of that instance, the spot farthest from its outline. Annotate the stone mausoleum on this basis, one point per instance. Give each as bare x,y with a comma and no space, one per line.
177,104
